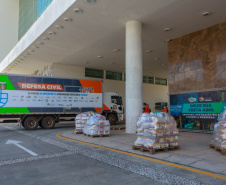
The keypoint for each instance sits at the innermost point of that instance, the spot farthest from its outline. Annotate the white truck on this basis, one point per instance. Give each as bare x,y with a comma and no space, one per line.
44,101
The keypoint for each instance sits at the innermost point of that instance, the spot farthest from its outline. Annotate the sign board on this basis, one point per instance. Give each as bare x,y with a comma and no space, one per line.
198,110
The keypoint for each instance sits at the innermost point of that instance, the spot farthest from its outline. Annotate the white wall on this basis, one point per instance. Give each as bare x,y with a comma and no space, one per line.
9,18
68,71
151,93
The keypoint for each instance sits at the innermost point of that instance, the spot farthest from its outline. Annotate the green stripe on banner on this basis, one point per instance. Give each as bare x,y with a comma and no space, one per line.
6,82
202,108
4,110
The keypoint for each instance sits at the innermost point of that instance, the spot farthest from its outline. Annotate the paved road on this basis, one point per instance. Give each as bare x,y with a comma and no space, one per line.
61,161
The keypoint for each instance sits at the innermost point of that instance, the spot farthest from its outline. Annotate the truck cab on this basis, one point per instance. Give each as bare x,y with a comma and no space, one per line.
113,107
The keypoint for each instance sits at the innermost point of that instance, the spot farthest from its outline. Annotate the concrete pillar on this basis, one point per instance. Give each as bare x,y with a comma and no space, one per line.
134,74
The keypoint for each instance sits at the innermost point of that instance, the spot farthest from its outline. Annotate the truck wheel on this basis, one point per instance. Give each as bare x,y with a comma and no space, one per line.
112,119
48,122
30,123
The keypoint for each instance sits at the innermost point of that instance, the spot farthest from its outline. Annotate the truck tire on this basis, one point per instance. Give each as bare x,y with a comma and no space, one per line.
30,123
48,122
112,119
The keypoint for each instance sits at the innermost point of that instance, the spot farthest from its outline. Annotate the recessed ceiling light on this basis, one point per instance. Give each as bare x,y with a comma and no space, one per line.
148,51
116,50
45,38
205,14
156,58
167,29
67,19
167,40
39,43
59,27
77,10
35,47
99,56
52,33
90,1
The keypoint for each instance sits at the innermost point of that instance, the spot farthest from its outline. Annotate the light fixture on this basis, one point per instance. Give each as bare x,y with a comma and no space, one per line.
156,58
116,50
35,47
167,29
45,38
59,27
77,10
67,19
148,51
40,43
205,14
167,40
90,1
52,33
99,56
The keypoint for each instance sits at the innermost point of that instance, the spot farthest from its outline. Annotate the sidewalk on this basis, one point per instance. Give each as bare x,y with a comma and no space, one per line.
195,151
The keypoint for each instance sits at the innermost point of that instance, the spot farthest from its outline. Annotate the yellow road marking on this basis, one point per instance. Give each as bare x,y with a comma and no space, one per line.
142,157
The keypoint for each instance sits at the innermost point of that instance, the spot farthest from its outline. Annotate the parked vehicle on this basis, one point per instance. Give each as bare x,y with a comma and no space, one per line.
43,101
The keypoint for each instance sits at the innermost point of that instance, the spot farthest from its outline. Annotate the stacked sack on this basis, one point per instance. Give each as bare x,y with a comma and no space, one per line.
156,130
97,125
219,133
81,119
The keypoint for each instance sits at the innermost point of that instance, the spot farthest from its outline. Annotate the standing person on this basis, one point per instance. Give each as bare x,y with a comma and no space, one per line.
165,109
146,108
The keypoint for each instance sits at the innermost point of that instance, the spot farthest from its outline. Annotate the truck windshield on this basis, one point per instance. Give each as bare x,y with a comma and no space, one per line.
117,100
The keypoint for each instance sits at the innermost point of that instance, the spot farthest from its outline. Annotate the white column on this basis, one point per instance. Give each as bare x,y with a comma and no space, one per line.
134,74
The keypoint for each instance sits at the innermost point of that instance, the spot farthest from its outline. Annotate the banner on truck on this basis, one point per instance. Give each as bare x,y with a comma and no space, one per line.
28,94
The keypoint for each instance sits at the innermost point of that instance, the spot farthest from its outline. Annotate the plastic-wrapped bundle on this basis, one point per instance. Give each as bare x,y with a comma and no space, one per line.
94,120
106,129
156,130
219,133
97,125
81,119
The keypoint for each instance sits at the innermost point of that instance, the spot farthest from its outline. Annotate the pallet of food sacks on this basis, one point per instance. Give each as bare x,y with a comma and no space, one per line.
97,125
80,121
156,131
218,141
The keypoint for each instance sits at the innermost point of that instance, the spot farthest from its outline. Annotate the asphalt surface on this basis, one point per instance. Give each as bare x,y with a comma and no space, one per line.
59,161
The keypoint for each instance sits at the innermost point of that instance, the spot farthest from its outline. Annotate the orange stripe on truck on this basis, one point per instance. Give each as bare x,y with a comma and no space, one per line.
96,85
105,107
